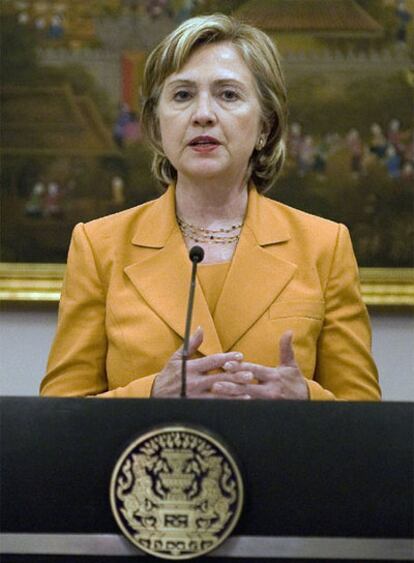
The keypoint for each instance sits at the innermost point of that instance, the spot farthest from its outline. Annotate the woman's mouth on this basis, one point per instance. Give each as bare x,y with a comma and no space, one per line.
204,143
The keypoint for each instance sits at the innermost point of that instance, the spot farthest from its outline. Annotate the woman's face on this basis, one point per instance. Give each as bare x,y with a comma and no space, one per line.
209,115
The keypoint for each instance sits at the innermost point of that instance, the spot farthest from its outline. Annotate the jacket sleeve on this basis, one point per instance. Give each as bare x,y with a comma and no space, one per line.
77,360
345,368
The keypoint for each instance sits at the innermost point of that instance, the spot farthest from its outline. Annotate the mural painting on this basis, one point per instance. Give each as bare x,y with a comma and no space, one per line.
71,146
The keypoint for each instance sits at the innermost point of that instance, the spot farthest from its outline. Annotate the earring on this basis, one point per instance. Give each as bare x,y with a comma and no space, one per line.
260,143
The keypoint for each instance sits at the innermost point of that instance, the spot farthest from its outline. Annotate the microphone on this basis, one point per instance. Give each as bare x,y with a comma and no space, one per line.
196,255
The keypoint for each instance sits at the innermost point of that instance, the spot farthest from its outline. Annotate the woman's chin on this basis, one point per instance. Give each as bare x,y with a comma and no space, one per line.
207,172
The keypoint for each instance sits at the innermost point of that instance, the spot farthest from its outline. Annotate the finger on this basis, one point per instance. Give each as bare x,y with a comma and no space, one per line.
231,397
216,396
205,382
193,344
261,373
195,341
215,361
266,392
241,377
204,395
286,353
227,388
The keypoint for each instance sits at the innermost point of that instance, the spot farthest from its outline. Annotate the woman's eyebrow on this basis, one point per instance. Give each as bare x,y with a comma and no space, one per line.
181,81
193,83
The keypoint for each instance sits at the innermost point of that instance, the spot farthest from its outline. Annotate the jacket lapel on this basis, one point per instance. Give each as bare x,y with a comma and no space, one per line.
257,275
163,275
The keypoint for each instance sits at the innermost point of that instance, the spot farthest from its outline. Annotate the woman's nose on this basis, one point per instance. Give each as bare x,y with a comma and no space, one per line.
203,112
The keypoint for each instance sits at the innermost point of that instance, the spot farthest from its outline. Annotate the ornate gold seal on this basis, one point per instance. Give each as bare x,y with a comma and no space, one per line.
176,492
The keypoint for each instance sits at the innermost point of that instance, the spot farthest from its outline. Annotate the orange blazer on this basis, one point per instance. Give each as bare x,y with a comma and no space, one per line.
124,298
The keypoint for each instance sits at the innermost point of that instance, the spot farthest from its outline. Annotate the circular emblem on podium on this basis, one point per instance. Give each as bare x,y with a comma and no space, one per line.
176,492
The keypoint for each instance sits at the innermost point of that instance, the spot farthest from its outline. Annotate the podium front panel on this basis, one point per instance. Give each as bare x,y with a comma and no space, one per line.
323,481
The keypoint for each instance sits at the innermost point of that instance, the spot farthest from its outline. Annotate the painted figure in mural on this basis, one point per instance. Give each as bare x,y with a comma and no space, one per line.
117,189
34,205
122,120
394,136
321,157
356,149
404,17
295,139
56,30
306,155
278,305
393,162
132,129
378,142
53,200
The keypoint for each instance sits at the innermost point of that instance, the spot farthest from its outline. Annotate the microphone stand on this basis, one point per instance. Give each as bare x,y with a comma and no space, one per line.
196,255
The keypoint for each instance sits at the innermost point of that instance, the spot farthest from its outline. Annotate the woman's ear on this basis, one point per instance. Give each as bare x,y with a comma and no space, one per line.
261,142
262,138
266,129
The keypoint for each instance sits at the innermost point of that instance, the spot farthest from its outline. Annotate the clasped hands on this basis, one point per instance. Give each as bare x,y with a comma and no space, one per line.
237,379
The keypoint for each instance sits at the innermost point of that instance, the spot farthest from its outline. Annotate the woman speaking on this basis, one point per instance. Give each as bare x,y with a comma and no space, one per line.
278,312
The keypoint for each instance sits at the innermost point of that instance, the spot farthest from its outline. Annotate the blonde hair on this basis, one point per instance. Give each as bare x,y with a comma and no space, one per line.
261,57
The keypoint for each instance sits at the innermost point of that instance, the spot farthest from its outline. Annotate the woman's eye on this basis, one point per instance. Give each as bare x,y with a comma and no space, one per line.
229,95
181,96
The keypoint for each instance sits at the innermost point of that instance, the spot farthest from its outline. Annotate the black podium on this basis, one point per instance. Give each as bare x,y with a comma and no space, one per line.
323,481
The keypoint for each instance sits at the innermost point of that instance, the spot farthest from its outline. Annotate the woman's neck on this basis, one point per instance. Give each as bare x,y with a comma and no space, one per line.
209,204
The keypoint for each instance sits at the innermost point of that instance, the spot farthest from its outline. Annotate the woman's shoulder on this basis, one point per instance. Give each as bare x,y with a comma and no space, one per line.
121,216
311,239
293,218
120,223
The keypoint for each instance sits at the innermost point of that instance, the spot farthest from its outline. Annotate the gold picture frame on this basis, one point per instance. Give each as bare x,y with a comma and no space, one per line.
41,283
